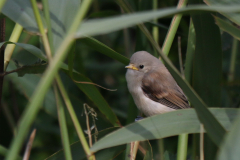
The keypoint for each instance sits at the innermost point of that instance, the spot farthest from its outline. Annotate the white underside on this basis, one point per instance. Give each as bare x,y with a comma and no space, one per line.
144,104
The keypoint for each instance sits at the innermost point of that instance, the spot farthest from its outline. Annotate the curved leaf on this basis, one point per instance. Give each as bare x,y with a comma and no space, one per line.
102,48
78,152
21,12
231,145
106,25
235,17
228,27
164,125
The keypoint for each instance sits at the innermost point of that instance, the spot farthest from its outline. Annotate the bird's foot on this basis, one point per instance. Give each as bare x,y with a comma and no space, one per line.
138,118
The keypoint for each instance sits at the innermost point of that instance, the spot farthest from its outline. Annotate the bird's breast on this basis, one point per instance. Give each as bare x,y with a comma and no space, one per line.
144,104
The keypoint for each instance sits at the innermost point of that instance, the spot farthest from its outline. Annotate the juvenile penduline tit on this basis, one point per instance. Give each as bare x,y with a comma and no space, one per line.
152,86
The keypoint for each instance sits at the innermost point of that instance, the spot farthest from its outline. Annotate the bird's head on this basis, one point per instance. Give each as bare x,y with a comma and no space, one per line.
142,62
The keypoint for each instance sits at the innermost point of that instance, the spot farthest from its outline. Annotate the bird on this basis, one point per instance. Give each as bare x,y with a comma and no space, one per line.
152,87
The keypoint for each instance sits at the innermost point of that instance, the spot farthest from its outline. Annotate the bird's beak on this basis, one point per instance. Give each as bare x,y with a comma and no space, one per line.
131,66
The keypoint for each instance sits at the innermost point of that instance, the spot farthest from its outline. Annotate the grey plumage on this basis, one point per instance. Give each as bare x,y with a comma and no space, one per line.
153,88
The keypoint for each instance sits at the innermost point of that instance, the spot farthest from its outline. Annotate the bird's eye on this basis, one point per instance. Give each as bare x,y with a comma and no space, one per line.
141,66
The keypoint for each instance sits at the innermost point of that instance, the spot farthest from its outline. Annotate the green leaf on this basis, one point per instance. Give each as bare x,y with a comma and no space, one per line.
235,17
27,84
190,52
71,56
163,125
28,47
90,90
208,51
228,27
230,147
95,96
102,48
21,12
207,72
62,13
37,68
4,151
149,154
106,25
78,152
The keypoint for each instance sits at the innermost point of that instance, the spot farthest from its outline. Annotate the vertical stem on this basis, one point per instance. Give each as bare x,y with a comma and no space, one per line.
63,125
2,39
182,147
134,149
128,151
29,145
161,148
49,26
233,60
201,142
74,119
155,31
41,29
17,30
173,28
4,152
180,56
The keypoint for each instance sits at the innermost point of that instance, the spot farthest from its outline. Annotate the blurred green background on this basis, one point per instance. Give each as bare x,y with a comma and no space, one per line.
104,71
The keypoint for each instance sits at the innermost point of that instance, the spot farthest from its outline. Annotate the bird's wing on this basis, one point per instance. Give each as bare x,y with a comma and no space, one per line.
164,90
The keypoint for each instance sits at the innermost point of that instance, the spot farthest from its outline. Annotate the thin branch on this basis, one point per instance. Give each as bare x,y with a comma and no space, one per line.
201,142
29,145
134,149
12,71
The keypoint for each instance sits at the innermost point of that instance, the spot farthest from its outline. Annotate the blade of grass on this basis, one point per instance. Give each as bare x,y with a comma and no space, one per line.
172,123
155,31
228,27
34,105
190,52
41,29
233,60
49,26
78,151
182,147
10,48
4,151
71,56
73,117
207,69
102,48
63,125
173,28
230,147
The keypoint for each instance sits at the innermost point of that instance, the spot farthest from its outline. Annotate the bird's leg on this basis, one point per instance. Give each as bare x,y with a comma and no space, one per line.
138,118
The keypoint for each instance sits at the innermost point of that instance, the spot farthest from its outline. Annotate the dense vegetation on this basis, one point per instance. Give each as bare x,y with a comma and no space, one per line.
67,57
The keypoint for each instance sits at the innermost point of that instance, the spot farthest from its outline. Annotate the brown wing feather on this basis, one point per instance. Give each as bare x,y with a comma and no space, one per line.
164,89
